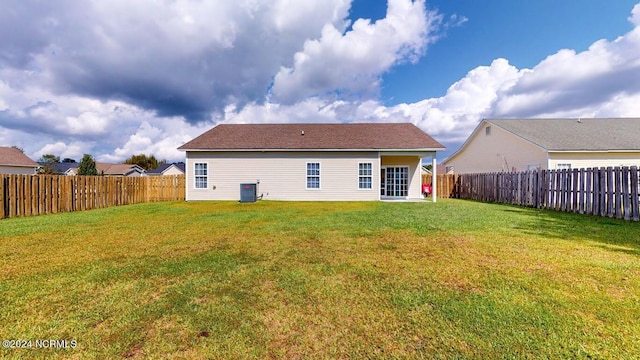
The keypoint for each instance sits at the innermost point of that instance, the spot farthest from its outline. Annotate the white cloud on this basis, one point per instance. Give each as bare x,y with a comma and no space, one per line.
161,140
174,57
353,62
119,79
448,118
635,15
72,151
574,83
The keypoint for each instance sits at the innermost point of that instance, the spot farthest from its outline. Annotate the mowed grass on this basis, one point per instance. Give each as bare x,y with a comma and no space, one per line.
224,280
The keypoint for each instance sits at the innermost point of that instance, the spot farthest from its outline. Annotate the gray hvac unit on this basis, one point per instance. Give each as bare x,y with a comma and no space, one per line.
248,192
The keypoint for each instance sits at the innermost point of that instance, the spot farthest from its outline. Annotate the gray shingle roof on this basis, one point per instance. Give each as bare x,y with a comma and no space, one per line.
361,136
573,135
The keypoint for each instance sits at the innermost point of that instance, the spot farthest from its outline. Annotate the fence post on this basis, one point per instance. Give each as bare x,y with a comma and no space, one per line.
3,197
635,209
626,194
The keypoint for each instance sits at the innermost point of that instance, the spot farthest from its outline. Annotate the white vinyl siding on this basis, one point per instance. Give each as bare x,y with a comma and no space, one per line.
499,152
17,170
200,175
282,175
365,176
313,176
593,159
172,170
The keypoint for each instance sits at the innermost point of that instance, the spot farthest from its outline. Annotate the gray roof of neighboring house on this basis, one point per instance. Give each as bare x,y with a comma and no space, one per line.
576,134
160,169
62,168
118,169
104,168
10,156
309,136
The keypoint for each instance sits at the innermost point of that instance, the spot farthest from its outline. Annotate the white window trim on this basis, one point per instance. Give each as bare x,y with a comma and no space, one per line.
306,175
195,176
370,176
408,181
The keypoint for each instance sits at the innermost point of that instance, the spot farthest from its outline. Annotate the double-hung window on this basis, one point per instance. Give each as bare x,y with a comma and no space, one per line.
365,174
200,175
313,175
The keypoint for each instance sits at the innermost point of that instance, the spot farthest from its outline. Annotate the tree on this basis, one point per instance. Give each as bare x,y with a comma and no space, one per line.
87,166
68,160
46,162
50,158
145,162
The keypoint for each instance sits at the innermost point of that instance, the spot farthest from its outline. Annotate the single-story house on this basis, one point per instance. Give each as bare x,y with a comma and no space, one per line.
505,145
66,168
176,168
440,169
308,161
119,169
13,161
105,169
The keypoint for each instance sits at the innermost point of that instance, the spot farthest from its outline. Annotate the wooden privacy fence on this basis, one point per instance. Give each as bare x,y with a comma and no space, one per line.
610,191
26,195
446,184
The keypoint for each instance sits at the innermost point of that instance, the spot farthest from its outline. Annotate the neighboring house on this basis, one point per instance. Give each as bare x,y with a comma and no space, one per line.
119,169
64,168
103,169
499,145
13,161
168,169
440,169
308,161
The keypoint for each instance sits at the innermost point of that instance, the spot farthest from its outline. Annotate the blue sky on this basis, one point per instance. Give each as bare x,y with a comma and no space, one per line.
523,32
121,78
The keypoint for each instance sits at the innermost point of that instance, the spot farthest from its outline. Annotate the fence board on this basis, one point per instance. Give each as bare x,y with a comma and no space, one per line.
588,206
12,196
610,192
626,194
27,195
447,185
3,195
635,208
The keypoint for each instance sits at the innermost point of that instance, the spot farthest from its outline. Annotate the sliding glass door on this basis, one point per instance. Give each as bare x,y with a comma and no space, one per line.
394,181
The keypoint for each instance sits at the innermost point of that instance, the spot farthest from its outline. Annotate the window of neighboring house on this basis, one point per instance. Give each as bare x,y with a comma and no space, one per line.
365,174
448,169
487,130
563,166
533,167
200,175
313,175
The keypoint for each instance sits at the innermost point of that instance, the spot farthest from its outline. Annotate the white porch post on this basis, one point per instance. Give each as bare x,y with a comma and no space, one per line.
434,178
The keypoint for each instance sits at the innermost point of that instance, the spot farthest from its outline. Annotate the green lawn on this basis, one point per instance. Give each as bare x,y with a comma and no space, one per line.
223,280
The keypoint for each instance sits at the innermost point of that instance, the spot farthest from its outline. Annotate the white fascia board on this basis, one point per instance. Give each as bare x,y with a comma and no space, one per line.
466,142
430,150
20,166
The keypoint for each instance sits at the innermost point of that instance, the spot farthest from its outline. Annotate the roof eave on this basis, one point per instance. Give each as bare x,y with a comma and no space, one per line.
313,150
20,165
592,151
